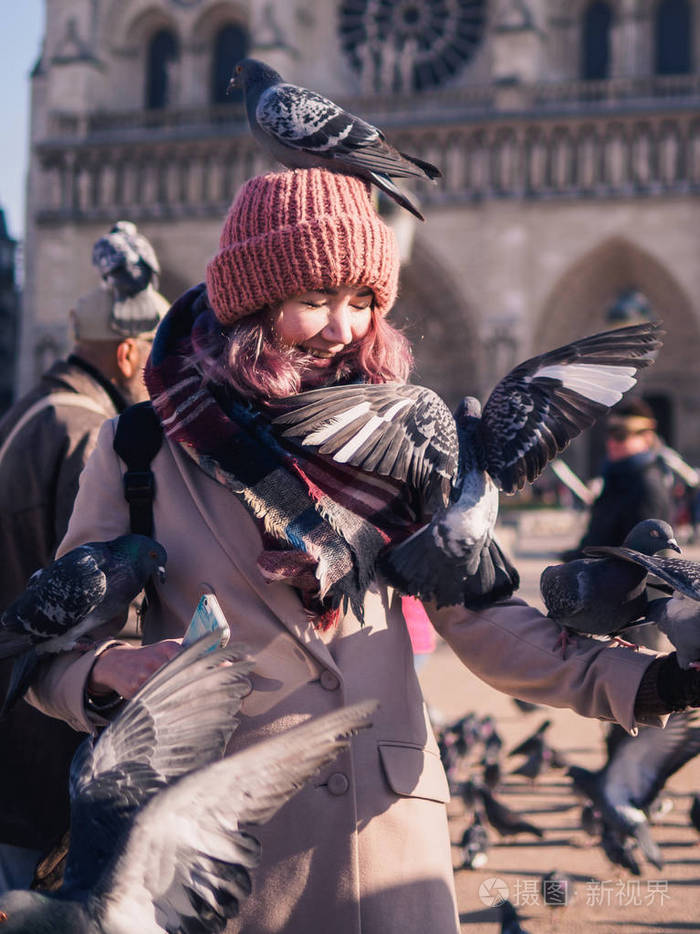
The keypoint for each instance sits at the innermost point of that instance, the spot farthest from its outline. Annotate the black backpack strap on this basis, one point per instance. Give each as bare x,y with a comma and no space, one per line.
137,440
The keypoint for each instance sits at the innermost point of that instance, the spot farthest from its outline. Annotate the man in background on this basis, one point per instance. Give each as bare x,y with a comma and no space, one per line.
637,482
45,441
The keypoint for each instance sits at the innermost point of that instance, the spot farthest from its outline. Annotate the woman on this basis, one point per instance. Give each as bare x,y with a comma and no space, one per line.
295,298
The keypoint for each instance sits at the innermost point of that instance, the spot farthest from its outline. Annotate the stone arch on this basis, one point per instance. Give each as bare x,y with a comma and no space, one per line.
442,327
577,306
213,17
128,27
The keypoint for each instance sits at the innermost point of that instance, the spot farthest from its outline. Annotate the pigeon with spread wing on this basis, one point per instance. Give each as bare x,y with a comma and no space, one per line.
156,843
457,464
303,130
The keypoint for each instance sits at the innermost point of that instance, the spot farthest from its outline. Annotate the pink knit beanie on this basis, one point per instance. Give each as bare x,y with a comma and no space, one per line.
295,231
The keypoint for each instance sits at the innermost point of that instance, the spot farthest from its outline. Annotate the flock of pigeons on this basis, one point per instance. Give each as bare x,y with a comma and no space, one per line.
131,790
618,802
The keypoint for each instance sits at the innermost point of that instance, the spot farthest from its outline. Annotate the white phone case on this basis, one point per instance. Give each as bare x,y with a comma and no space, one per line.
208,617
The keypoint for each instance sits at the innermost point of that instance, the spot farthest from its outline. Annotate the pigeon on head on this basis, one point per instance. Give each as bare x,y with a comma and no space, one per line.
304,130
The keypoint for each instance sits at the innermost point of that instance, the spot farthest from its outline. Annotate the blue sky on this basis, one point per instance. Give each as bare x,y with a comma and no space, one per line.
20,42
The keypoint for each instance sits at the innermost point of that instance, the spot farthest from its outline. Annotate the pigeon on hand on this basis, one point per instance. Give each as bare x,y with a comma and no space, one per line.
624,789
601,596
156,843
456,465
89,585
303,130
679,619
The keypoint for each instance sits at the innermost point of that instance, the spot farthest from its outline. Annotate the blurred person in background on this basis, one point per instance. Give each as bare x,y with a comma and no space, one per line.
45,441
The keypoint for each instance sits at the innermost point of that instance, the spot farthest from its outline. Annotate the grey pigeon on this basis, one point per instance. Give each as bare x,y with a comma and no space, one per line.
510,919
601,596
506,821
530,743
679,619
303,130
625,788
456,465
128,265
156,843
557,888
126,260
88,586
474,845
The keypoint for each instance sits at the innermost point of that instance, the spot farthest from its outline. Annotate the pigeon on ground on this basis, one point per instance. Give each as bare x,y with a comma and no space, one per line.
679,619
156,844
601,596
694,812
531,743
624,789
128,264
303,130
557,888
474,844
88,586
503,819
510,919
457,465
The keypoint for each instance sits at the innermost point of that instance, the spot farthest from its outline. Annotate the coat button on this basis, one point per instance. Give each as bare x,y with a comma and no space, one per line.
338,783
329,681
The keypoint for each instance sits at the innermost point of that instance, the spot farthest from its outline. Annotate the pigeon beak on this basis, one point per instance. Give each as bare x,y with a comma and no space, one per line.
233,84
672,543
160,571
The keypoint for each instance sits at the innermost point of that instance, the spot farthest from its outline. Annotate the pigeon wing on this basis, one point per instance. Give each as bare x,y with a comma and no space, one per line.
60,596
641,765
393,429
180,720
536,410
190,862
679,573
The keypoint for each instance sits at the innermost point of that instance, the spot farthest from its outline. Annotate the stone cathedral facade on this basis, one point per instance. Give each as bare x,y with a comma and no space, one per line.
568,133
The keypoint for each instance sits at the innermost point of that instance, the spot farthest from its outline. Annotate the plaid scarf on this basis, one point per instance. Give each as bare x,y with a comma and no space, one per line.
322,524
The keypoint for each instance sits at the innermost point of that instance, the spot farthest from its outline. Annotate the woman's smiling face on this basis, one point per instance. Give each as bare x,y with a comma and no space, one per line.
325,322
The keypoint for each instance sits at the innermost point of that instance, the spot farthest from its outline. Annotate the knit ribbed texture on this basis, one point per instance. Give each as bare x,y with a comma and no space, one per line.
292,232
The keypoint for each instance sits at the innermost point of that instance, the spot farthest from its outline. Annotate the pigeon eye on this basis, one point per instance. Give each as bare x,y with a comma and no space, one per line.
654,534
3,917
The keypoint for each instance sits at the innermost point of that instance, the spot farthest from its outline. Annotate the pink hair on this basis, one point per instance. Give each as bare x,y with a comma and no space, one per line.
248,357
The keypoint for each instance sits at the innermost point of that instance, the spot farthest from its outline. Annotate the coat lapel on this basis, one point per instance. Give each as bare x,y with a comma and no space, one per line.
242,549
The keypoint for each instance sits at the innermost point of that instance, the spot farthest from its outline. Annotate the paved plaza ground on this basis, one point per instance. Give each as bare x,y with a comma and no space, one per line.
606,899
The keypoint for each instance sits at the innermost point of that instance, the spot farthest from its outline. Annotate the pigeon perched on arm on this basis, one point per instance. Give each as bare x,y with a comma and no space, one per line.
156,844
457,465
303,130
89,585
634,774
603,594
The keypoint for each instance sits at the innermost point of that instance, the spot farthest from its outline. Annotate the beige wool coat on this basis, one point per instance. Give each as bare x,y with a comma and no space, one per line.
364,847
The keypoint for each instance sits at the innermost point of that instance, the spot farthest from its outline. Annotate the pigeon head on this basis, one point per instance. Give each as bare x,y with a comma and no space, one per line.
144,554
468,412
250,72
651,536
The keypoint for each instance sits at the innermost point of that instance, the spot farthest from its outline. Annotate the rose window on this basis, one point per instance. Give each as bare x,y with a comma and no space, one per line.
410,45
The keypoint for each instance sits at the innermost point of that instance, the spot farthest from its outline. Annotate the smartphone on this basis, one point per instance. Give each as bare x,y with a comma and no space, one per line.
208,617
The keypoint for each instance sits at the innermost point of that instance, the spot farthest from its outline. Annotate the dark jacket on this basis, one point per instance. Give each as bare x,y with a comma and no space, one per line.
38,483
635,488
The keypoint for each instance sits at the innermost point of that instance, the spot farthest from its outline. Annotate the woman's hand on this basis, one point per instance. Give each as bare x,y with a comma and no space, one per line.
124,668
